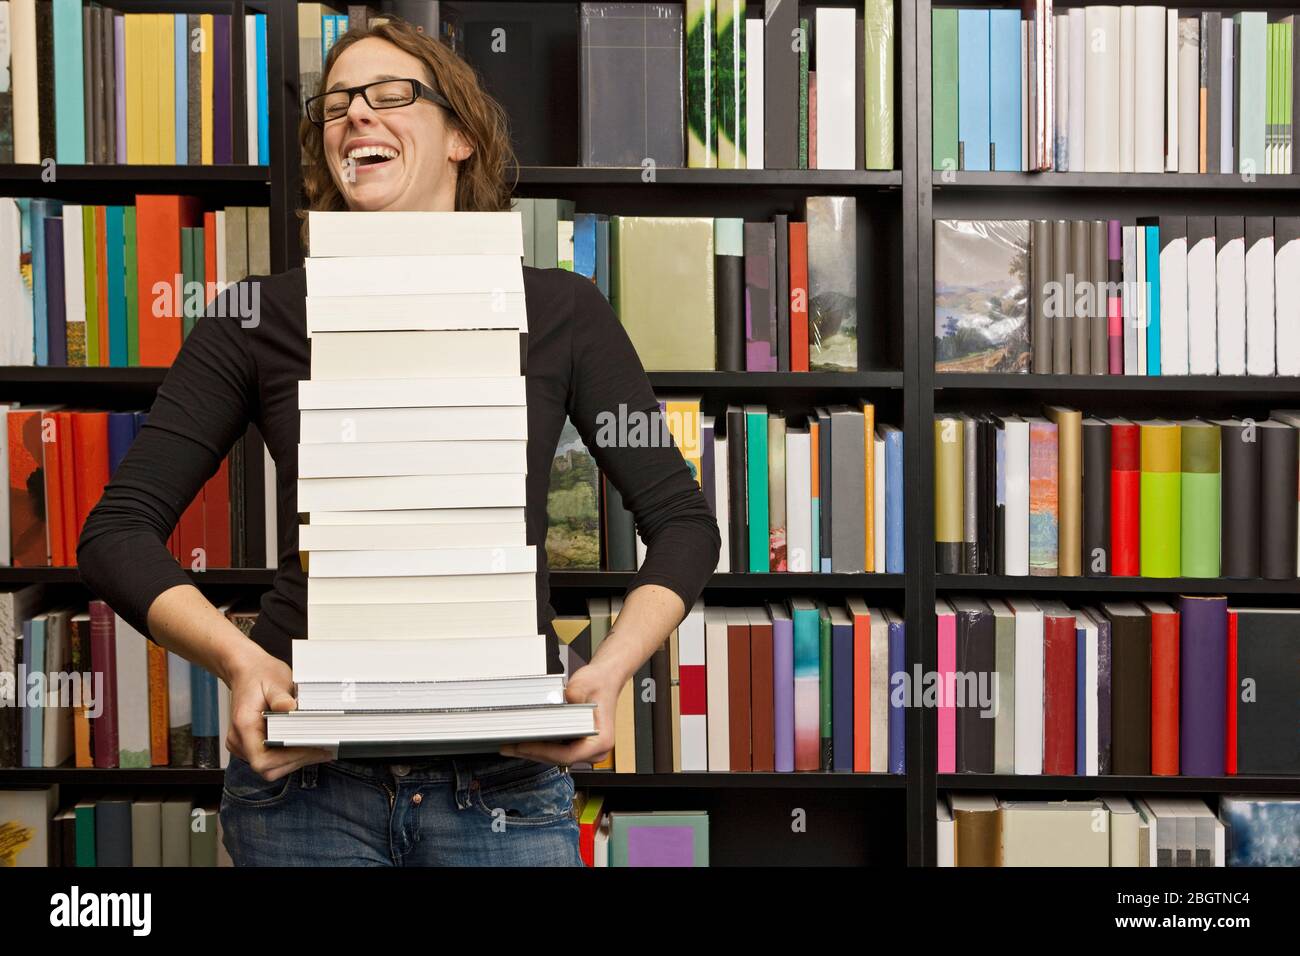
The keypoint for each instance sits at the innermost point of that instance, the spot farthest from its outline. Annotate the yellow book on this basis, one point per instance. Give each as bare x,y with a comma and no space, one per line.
166,89
205,87
149,27
134,88
683,416
869,482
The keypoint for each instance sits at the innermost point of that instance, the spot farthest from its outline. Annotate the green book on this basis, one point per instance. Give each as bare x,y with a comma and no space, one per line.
825,676
756,464
132,292
85,825
701,137
1160,519
729,83
91,270
1199,444
943,79
878,34
187,276
805,32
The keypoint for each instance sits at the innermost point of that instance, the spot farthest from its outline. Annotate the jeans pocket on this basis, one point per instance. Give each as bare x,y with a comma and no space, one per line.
244,786
530,794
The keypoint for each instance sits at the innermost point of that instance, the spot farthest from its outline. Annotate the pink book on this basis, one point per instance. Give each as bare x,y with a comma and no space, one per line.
947,631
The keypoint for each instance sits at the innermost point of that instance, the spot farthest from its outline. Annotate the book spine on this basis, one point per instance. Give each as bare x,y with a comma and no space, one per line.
1099,322
1062,333
1164,693
1043,499
1060,664
1040,267
1069,445
1096,498
1203,674
1201,486
947,666
948,498
1278,477
1131,694
1114,298
944,85
729,286
1161,509
1240,451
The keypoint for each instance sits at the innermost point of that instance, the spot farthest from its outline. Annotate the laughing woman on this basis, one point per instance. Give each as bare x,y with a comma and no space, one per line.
402,125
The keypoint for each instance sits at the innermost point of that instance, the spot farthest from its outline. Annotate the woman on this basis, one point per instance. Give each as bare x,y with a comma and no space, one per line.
441,145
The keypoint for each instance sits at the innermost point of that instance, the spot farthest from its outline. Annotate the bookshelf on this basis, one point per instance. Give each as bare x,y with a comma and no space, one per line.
857,819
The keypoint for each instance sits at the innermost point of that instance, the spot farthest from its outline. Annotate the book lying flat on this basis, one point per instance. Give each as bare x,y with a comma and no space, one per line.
411,491
346,459
415,233
422,589
350,564
344,622
414,275
435,311
358,426
452,658
395,537
523,691
411,392
480,353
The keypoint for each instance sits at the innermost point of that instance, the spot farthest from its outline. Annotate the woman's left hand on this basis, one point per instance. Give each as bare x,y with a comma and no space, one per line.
592,684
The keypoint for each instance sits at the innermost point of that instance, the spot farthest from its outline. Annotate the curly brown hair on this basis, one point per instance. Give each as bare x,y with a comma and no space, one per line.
481,179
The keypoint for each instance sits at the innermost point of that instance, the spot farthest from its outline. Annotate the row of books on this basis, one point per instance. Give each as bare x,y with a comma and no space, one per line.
86,689
1113,89
658,838
90,85
114,286
1072,495
1197,688
782,686
113,829
751,296
1169,295
983,830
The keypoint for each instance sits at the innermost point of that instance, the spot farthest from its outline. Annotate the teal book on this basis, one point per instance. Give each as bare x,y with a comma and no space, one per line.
115,262
69,83
973,89
1153,299
85,826
132,291
807,683
756,463
1252,90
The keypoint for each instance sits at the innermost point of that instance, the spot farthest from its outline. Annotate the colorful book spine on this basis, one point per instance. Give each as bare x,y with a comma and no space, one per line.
1043,498
1200,493
1161,509
1203,674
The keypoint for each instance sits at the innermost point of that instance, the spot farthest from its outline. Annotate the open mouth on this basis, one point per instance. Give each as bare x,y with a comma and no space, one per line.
368,157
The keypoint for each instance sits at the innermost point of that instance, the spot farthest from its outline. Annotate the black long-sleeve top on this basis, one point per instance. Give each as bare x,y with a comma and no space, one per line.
580,363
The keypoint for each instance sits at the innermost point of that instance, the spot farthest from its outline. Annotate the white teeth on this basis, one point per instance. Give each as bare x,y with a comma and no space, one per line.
360,152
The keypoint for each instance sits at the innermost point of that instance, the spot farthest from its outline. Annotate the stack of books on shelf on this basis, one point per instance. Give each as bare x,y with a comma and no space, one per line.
422,617
1169,295
1114,89
1193,688
1067,494
91,85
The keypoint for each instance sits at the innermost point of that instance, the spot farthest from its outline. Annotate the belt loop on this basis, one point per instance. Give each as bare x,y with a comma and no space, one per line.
461,781
309,773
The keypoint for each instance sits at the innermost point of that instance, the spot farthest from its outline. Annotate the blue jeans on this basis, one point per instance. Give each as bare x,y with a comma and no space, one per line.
469,810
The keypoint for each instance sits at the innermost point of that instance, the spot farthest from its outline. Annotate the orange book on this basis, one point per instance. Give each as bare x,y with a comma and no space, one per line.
101,270
80,633
861,617
53,490
158,222
90,445
158,704
869,483
27,500
216,517
798,297
209,257
71,477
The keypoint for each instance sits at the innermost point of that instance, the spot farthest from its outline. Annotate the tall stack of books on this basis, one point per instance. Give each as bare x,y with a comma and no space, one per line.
422,614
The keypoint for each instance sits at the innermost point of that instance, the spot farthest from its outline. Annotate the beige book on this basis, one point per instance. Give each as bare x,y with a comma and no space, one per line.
1058,833
1069,496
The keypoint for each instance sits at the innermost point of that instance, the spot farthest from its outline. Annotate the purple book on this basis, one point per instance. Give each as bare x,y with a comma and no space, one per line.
783,686
55,306
1202,653
841,691
222,148
1103,691
897,667
760,297
119,86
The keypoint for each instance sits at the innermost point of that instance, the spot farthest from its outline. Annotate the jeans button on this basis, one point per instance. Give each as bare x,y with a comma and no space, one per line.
400,769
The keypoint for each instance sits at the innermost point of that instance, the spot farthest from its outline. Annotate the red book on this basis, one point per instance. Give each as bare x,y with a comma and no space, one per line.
103,660
798,296
54,431
28,528
1125,497
70,478
209,257
90,445
1060,691
1164,689
762,709
1230,725
189,534
158,222
216,517
738,687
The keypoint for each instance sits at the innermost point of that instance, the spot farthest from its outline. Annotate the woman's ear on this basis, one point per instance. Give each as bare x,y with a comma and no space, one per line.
461,149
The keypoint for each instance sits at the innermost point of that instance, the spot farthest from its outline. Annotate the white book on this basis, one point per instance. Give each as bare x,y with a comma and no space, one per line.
223,722
132,657
945,834
1127,87
1230,301
1286,277
414,275
180,703
722,500
1131,292
1149,91
411,622
1029,686
411,393
1227,98
24,85
1202,330
425,589
1079,91
1091,694
1061,58
17,347
1141,236
379,459
271,512
1260,347
1189,95
355,426
480,353
429,562
879,511
837,120
435,312
1171,91
754,93
407,233
1016,487
417,516
716,686
250,87
798,500
314,538
1173,305
465,658
694,727
411,491
74,267
1102,102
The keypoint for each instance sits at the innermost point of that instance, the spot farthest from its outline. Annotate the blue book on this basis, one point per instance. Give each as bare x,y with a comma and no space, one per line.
69,83
55,304
1080,701
602,256
1004,90
121,432
140,418
38,211
24,657
203,703
263,114
182,93
115,262
973,89
1153,299
584,244
893,499
841,691
756,465
897,712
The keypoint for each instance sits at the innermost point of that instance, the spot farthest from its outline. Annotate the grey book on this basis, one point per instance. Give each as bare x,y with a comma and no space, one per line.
146,833
782,291
176,831
113,831
1004,722
546,214
90,92
1062,334
194,95
832,283
780,85
848,537
1040,267
1098,324
1212,83
1081,272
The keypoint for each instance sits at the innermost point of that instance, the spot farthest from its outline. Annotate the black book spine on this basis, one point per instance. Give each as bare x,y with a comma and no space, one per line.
780,86
999,499
986,474
782,223
1130,695
1278,476
644,720
737,501
1266,655
1240,521
620,530
729,314
46,130
662,709
1096,498
975,658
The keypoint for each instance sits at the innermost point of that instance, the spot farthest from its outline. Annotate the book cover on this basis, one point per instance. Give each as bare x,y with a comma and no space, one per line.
981,295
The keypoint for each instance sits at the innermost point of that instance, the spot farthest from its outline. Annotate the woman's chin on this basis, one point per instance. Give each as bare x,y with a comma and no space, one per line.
371,197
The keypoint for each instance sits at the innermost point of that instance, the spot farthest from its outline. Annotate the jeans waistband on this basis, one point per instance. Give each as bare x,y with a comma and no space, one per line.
428,769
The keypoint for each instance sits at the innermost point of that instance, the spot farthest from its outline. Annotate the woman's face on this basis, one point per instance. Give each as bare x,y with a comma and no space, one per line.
416,168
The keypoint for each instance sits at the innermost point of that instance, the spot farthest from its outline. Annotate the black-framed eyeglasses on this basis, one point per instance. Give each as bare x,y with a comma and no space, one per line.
379,95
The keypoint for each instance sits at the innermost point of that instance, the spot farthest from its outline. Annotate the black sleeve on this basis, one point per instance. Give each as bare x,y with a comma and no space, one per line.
203,405
672,515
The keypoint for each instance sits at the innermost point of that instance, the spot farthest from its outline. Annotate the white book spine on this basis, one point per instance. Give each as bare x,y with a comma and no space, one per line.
1131,291
1231,306
1127,87
74,268
754,93
1026,78
1260,347
132,695
1029,688
447,423
250,87
384,459
1171,91
1202,332
180,707
1102,103
1189,95
411,393
879,512
270,496
402,622
1016,514
1140,236
835,54
1228,98
1173,307
423,562
1287,299
414,275
879,749
434,312
1092,752
223,721
1079,91
406,233
1061,60
798,500
1149,89
24,83
694,727
716,677
722,498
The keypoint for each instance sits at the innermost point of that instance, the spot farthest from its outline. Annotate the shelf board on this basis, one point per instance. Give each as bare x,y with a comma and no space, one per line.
68,172
1228,586
682,176
62,375
94,776
1209,182
1119,784
261,576
1230,384
778,581
784,380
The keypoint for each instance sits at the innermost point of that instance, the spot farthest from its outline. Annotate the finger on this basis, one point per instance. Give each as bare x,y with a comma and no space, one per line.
280,700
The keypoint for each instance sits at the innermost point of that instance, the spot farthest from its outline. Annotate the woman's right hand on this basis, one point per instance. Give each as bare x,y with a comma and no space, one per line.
260,682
